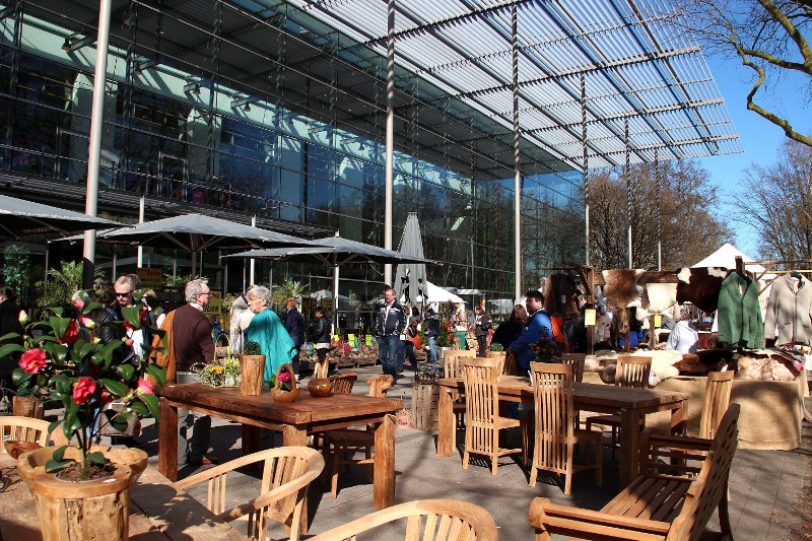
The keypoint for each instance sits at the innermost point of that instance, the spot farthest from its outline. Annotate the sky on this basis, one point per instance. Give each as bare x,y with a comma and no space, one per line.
760,140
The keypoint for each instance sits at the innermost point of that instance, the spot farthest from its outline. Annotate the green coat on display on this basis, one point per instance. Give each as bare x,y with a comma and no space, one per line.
740,322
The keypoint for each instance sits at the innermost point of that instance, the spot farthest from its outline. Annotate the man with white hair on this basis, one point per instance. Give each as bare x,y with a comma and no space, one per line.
683,337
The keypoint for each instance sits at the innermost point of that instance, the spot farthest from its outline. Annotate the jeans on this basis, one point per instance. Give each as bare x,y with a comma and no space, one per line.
410,354
191,448
401,354
387,353
432,349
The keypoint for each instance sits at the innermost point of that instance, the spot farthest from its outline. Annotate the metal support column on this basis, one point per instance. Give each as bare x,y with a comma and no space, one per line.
390,136
657,187
517,176
585,172
94,143
629,190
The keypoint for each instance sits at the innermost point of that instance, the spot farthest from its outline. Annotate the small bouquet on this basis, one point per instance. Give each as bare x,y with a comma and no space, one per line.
231,365
427,374
284,379
547,349
213,375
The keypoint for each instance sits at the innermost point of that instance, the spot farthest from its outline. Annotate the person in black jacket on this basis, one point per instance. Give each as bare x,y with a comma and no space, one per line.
9,322
294,324
482,326
510,330
389,325
320,333
432,332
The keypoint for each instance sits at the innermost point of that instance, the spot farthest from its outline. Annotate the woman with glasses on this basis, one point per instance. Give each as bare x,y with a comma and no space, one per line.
268,331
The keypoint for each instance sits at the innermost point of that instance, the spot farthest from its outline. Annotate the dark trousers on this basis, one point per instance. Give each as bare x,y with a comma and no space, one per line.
482,341
410,354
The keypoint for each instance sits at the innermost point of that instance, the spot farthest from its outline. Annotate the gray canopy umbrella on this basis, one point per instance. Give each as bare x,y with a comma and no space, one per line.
18,215
195,232
410,278
334,251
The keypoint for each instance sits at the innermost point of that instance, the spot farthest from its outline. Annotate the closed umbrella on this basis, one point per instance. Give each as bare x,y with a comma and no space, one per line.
410,278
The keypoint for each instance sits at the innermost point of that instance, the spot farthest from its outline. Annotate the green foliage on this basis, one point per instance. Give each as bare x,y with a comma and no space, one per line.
251,348
496,346
288,288
17,268
62,284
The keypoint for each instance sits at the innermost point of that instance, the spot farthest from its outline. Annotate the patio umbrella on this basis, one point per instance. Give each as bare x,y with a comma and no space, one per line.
195,232
410,278
17,215
334,251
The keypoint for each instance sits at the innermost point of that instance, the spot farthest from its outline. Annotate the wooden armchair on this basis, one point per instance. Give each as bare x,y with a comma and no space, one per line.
342,445
286,474
343,383
575,361
556,435
452,368
482,420
29,430
631,371
655,507
426,520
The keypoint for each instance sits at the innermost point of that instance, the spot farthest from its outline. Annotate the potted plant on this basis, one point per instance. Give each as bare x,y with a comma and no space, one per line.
444,340
27,402
497,351
425,397
231,365
252,369
547,349
68,365
283,385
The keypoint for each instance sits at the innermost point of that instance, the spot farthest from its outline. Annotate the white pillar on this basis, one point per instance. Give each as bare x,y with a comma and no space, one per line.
252,263
94,144
390,137
141,204
517,175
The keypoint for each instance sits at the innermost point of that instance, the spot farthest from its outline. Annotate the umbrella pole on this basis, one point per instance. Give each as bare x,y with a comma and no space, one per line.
194,264
115,262
335,297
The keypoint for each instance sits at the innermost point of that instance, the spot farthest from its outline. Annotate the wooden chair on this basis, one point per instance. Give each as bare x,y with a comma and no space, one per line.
655,507
28,429
482,420
715,402
452,368
631,371
343,444
343,383
286,474
556,435
576,362
426,520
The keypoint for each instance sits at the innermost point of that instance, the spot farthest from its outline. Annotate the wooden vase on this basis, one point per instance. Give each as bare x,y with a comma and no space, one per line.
78,511
27,406
320,387
280,395
252,370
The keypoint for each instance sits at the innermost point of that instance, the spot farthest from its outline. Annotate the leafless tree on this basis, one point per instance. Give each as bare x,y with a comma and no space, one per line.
777,200
771,37
682,214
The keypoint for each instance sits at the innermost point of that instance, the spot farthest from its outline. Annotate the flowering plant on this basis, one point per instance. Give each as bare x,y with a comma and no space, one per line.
67,363
427,373
547,349
284,380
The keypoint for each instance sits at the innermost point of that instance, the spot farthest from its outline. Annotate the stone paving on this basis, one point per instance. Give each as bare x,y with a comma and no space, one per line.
766,487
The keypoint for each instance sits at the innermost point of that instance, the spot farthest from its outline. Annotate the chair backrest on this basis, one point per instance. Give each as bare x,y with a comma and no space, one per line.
714,405
554,412
576,362
321,369
426,520
24,429
710,486
452,363
379,385
632,371
343,383
481,400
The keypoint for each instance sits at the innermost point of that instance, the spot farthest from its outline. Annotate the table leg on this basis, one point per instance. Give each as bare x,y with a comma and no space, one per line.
383,488
168,441
292,435
250,439
446,424
629,444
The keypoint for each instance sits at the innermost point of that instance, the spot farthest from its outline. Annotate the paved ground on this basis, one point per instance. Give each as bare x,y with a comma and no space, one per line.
770,490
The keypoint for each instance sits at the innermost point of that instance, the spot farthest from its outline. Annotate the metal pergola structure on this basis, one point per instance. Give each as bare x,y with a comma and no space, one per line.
493,88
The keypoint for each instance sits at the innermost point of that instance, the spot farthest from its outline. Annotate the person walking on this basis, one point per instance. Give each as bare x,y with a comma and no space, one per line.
482,327
432,332
411,333
389,325
320,334
294,324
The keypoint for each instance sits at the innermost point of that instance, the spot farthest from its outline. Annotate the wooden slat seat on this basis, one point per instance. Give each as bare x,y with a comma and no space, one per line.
655,507
343,383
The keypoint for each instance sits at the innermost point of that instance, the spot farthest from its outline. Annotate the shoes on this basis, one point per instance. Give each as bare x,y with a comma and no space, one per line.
204,461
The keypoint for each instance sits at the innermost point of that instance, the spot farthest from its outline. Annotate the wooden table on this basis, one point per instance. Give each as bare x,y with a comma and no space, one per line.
633,405
294,420
157,512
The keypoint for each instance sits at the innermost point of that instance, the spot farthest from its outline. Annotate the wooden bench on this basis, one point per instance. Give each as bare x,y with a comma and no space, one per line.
655,506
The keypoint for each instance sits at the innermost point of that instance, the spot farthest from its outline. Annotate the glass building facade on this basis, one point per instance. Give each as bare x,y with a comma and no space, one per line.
185,131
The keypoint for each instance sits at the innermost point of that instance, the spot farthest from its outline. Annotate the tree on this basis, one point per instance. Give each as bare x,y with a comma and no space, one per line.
767,36
685,221
777,200
17,269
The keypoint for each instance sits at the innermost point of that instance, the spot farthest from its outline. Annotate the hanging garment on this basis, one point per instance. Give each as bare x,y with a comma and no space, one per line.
739,313
789,310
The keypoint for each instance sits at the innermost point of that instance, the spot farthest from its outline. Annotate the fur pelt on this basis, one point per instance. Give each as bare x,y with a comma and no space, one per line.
662,365
760,364
700,286
561,295
658,298
621,291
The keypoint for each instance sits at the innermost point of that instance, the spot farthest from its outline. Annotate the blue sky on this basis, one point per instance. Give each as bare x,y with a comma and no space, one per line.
760,140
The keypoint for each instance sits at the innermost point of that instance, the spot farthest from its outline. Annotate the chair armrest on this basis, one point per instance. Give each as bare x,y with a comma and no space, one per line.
546,516
687,443
200,477
268,498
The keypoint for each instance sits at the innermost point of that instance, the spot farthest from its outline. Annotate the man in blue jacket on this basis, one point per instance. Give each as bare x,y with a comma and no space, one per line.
538,325
389,325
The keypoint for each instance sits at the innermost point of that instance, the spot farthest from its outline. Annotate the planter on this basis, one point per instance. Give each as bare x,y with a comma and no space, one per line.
499,356
425,398
320,387
252,369
27,406
86,510
280,395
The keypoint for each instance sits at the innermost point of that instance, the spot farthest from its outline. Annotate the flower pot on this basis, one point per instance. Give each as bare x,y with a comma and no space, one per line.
320,387
27,406
252,369
424,407
73,511
280,395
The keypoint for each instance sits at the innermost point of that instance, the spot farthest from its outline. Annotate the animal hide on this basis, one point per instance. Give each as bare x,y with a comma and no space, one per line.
768,365
659,297
621,291
700,286
561,295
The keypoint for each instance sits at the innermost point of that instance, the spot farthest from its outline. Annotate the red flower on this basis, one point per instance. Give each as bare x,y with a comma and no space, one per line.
71,334
83,390
145,386
284,377
32,361
79,304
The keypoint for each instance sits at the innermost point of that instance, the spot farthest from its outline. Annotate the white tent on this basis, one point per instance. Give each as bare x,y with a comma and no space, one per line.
436,295
726,257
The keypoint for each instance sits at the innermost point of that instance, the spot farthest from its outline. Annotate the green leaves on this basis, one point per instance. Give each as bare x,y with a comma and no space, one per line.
151,402
116,388
126,371
156,372
8,349
131,315
58,461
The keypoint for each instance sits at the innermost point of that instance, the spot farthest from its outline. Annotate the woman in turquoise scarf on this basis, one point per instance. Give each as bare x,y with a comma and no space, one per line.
268,331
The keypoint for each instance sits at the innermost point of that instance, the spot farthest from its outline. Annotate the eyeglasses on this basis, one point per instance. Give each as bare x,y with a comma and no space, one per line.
123,294
205,293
